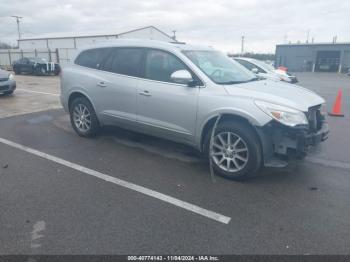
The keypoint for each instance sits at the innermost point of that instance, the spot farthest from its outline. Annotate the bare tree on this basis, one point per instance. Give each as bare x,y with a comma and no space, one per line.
5,46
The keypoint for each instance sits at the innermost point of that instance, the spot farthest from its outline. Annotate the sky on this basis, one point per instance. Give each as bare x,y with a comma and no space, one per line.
217,23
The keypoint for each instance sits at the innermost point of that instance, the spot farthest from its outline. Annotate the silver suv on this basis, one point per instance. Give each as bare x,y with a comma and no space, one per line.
182,93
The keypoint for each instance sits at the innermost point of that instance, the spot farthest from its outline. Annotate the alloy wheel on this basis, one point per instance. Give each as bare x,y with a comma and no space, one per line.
82,118
229,151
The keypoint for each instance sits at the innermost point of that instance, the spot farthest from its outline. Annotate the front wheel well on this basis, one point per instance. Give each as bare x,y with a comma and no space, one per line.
225,117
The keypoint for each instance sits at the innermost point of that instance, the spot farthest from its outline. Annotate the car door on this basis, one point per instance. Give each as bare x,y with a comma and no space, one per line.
25,65
166,108
119,75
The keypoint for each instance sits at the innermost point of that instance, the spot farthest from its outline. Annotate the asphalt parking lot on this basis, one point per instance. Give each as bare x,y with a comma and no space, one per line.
125,193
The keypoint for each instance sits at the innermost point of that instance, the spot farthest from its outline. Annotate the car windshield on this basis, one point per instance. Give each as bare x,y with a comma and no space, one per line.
38,60
219,68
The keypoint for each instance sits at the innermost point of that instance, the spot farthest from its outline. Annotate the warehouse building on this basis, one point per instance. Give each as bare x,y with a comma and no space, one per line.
314,57
57,42
61,48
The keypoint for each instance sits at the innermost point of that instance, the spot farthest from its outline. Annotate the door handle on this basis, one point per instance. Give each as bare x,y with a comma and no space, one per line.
145,93
102,84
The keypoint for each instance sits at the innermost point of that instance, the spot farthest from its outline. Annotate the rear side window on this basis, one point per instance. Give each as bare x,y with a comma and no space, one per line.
125,61
92,58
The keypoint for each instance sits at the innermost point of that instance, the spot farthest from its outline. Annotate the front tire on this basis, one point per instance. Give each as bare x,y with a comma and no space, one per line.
236,151
83,117
17,71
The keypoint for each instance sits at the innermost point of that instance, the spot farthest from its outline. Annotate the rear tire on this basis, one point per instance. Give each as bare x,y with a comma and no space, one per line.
238,157
83,117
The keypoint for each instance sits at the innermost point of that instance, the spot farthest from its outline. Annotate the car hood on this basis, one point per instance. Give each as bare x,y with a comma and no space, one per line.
4,74
277,92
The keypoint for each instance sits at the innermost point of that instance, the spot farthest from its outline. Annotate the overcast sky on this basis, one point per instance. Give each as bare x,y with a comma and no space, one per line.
219,23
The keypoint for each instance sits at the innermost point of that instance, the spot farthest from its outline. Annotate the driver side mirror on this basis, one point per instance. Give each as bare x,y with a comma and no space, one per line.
181,77
255,70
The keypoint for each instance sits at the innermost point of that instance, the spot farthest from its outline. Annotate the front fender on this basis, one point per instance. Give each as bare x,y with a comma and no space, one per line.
255,118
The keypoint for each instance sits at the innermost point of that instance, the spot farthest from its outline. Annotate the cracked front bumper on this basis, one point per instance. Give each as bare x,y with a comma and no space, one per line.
280,142
307,140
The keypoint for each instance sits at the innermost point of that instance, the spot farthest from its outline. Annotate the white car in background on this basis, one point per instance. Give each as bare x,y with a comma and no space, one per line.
265,70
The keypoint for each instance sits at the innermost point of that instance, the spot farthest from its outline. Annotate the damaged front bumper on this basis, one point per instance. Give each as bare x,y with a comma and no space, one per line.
280,142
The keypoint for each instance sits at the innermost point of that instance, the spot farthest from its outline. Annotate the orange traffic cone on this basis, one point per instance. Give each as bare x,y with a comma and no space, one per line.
336,111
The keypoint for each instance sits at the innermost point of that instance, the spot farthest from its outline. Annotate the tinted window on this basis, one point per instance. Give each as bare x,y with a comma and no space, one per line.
92,58
246,64
37,60
249,65
160,65
125,61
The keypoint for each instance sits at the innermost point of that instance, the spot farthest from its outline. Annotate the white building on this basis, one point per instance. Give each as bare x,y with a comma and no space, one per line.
60,42
62,48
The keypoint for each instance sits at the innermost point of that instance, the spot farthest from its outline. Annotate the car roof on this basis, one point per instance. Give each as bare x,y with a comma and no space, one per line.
173,46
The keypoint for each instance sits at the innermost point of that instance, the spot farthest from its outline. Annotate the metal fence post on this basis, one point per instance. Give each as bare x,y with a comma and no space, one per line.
57,56
10,57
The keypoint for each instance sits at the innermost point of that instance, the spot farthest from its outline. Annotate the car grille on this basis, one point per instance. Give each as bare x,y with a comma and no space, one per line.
3,79
4,88
315,118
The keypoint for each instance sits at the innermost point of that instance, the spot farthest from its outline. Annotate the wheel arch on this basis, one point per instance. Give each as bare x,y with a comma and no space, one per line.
226,117
74,95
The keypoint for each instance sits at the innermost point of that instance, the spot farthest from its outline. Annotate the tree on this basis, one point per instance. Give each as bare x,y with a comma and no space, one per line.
5,46
258,56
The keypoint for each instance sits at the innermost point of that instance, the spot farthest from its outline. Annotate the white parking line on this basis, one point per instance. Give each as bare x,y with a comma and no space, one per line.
143,190
36,92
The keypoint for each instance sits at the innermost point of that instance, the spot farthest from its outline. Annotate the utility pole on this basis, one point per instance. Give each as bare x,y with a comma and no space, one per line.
174,35
307,37
242,46
18,29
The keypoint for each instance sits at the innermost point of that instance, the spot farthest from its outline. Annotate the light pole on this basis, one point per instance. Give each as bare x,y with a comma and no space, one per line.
242,45
18,29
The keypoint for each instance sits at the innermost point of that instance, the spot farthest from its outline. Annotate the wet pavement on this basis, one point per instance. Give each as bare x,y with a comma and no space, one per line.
51,208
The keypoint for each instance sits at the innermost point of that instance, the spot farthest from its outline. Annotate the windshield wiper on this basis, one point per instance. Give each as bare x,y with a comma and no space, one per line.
239,82
254,79
231,82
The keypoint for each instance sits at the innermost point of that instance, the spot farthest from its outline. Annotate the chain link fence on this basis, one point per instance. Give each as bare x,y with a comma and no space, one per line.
62,56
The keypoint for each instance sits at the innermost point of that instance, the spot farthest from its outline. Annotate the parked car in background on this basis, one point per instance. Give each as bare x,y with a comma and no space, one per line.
182,93
36,66
7,83
265,70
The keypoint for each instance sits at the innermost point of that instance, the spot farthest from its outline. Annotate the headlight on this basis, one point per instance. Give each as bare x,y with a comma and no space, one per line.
11,77
323,109
285,115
